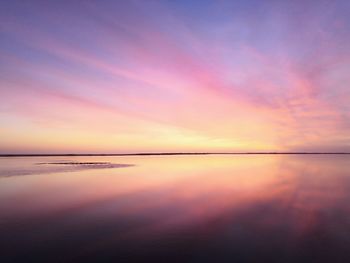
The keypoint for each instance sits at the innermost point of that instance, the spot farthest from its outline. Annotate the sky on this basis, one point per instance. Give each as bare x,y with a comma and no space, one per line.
174,76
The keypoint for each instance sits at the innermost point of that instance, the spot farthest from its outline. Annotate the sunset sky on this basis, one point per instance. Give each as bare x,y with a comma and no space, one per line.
174,76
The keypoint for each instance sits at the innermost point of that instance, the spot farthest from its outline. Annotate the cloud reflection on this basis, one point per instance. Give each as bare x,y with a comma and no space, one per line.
224,205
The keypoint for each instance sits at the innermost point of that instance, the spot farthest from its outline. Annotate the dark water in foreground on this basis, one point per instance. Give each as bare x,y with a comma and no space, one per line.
256,208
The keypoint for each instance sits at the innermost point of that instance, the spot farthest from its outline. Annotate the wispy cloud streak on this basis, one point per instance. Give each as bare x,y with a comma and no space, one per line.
169,76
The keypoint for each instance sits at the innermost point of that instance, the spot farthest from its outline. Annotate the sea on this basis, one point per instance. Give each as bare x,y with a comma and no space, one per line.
177,208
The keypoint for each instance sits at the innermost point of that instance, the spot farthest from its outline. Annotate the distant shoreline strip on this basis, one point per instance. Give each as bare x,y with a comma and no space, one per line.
156,154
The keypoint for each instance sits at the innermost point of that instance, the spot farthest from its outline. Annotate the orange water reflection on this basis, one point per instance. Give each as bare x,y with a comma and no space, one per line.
295,203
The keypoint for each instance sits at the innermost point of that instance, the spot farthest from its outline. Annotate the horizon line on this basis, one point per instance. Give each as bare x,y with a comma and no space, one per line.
159,153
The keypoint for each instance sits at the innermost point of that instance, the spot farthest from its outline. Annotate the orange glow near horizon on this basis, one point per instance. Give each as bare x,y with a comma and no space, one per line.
149,77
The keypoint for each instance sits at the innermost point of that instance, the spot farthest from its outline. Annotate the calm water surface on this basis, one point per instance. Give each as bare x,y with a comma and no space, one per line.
217,208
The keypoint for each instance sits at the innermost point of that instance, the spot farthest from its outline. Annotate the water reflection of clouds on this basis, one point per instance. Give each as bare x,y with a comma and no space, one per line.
290,204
